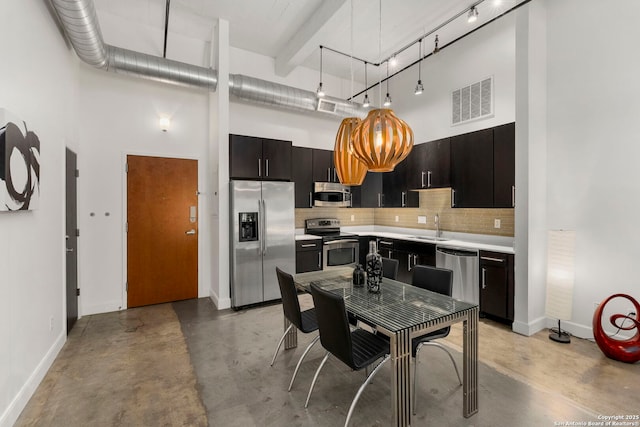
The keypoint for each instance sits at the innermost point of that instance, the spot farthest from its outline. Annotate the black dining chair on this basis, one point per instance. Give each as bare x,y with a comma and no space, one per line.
390,268
305,321
357,349
438,280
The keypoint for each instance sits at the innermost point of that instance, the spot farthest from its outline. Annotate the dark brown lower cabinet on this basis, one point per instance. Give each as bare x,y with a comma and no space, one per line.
496,285
308,255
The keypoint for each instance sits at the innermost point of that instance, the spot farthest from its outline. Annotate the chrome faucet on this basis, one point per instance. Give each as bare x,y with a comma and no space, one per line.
436,219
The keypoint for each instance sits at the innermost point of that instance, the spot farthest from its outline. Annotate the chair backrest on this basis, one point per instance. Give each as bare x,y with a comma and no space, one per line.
390,268
433,279
335,334
290,303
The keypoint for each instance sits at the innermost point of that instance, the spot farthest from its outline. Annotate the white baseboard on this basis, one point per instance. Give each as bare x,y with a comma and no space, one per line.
220,304
528,329
13,411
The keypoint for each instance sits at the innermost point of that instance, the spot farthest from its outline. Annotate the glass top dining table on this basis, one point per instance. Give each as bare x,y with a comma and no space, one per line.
403,312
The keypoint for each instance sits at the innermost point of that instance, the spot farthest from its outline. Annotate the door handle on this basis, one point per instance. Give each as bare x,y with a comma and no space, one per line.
403,203
429,179
267,167
259,167
409,262
69,249
190,232
422,179
484,278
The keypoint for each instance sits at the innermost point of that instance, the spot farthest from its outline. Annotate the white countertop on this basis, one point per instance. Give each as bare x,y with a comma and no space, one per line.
453,240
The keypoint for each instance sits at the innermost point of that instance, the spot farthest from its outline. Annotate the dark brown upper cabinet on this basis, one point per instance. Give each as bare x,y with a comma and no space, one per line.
369,194
504,166
301,165
472,170
323,167
429,165
259,158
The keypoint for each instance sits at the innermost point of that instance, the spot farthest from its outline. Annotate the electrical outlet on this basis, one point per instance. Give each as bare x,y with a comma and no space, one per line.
353,217
422,219
496,223
397,218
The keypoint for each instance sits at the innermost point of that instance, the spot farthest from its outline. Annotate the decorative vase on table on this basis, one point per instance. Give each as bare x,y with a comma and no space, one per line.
374,268
358,276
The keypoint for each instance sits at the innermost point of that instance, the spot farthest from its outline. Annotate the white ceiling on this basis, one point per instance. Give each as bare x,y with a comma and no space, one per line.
291,31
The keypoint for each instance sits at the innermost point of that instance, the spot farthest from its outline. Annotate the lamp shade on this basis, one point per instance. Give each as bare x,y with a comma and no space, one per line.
350,170
382,140
560,273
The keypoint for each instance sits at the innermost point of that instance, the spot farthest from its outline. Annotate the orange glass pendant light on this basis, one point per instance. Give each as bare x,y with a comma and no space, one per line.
382,140
350,170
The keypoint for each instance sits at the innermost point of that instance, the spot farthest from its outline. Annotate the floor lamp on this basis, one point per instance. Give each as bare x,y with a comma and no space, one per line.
560,280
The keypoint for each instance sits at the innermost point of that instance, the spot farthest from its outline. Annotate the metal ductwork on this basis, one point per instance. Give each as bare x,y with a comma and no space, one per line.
79,19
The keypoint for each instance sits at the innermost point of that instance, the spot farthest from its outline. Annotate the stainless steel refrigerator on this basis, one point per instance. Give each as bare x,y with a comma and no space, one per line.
262,238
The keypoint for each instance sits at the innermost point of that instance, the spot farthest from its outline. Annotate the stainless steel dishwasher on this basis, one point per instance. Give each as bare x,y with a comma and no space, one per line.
464,263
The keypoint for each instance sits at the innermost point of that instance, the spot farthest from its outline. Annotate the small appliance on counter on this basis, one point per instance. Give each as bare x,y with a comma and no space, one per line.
338,249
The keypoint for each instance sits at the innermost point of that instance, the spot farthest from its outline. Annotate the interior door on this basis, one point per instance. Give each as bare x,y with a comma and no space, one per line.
71,231
162,230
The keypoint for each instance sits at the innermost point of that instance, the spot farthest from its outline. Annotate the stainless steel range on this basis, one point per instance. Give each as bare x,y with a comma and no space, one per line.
339,249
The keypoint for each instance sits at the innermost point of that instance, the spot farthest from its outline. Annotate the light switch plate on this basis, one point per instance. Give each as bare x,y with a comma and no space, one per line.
422,219
397,218
496,223
353,217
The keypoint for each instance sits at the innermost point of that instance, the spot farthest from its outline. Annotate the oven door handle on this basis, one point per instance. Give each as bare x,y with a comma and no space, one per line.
333,242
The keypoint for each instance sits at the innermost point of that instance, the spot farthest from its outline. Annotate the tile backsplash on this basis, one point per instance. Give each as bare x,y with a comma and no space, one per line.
432,202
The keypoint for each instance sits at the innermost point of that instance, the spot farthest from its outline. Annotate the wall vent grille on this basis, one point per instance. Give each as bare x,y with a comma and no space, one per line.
472,102
326,106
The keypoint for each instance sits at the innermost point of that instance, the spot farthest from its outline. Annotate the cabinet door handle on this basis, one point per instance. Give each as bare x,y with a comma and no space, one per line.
259,167
453,197
383,242
335,175
310,199
487,258
267,167
402,203
513,196
415,260
409,262
328,174
308,245
379,201
484,278
429,179
390,254
319,259
422,174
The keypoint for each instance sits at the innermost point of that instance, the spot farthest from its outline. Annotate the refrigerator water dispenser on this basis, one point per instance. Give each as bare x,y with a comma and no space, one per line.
248,226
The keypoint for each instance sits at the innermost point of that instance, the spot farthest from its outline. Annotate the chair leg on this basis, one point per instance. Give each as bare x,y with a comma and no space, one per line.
315,377
315,340
415,368
361,389
280,343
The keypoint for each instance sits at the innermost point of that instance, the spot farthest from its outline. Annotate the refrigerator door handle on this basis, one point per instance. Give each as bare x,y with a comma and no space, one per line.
260,227
264,230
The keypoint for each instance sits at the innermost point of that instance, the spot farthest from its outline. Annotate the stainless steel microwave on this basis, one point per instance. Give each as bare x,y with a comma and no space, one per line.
331,194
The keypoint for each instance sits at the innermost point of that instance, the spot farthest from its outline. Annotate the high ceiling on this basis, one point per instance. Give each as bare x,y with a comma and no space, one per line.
291,31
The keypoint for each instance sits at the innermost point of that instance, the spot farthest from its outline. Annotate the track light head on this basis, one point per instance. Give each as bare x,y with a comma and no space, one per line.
419,88
387,100
473,15
320,91
365,101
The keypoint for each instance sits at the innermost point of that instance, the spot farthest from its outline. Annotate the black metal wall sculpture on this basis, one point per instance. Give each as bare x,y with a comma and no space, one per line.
19,167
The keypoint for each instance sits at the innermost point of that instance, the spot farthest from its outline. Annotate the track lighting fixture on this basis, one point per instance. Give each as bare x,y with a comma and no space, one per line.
320,90
436,49
393,61
365,101
473,15
387,99
419,87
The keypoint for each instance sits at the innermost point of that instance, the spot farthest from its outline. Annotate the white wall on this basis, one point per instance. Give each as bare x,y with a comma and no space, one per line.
38,85
119,116
593,176
489,51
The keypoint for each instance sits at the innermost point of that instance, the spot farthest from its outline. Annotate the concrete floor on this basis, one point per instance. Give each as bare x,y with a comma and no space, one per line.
186,364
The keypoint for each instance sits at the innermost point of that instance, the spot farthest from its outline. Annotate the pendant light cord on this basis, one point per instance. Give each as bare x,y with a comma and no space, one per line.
379,51
351,54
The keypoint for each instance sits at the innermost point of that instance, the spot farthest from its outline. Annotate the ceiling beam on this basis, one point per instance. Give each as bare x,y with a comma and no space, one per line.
306,39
